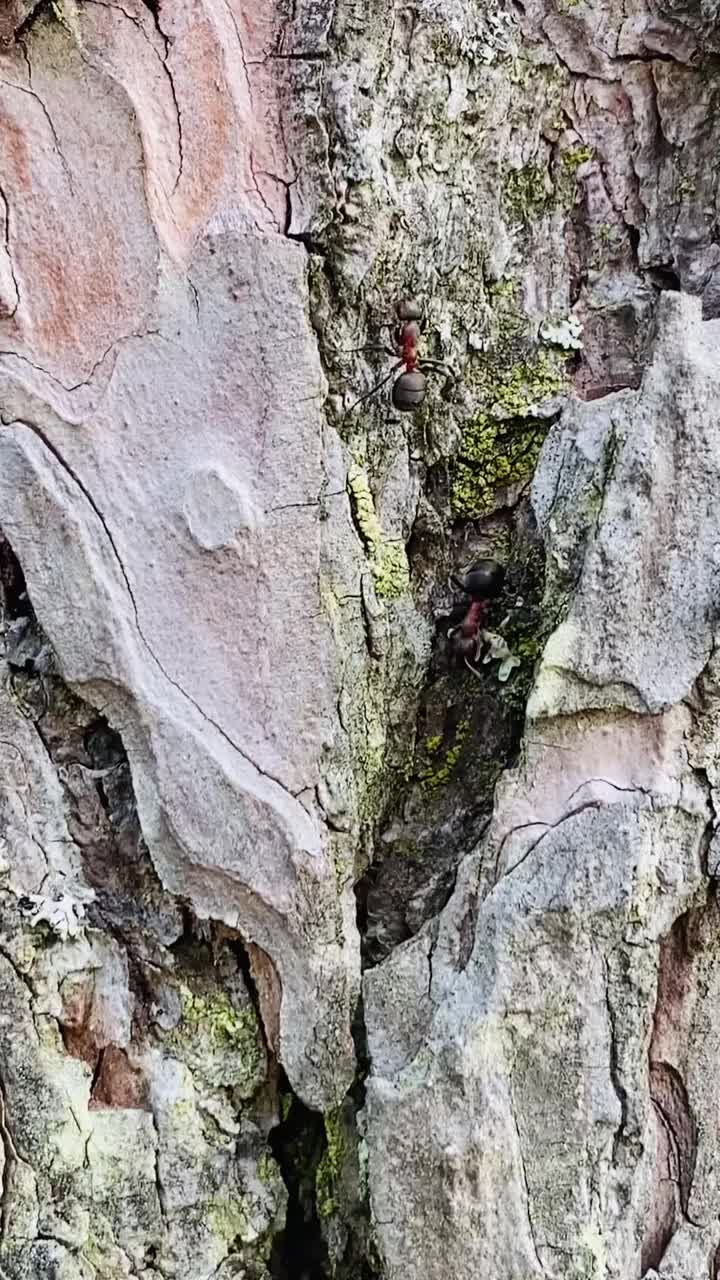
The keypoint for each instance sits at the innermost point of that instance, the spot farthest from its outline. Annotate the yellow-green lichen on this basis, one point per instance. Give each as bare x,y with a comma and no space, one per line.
267,1169
527,193
219,1041
229,1221
566,174
528,382
328,1172
500,445
531,192
434,774
219,1021
493,455
391,571
574,157
388,561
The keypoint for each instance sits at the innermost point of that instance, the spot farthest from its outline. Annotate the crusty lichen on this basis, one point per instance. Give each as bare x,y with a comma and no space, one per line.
217,1019
493,455
328,1172
388,561
437,768
533,191
501,443
219,1040
528,193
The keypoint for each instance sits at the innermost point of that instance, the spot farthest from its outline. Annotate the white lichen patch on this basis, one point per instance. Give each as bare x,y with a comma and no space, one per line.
61,912
563,333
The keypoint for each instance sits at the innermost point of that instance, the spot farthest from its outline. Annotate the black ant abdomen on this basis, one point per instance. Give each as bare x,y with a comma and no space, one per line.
484,580
409,391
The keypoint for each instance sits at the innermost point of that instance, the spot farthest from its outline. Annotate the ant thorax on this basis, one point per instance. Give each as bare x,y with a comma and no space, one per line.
473,617
408,338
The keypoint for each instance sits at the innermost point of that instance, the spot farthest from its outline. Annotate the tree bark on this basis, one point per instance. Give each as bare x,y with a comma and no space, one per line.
329,951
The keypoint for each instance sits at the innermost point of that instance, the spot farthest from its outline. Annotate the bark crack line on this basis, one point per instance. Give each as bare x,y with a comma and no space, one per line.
22,978
552,826
9,1165
526,1184
4,199
668,1095
159,1187
105,4
40,7
55,453
614,1065
248,82
12,1160
77,386
33,94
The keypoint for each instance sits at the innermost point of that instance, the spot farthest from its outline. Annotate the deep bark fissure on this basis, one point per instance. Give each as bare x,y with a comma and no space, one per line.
37,11
454,706
298,1144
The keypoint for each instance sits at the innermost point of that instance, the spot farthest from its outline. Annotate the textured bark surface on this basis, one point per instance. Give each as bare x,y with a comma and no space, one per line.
239,759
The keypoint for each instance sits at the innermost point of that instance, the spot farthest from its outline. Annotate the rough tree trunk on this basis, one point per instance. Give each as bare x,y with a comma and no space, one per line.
239,762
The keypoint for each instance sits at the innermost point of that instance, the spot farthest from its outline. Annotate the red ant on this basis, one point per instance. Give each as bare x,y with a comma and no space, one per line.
409,389
483,582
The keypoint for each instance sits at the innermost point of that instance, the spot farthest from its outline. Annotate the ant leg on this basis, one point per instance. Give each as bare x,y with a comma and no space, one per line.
369,346
437,366
377,387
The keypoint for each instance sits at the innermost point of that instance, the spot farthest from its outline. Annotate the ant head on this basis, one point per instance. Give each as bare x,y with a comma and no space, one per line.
409,309
410,330
483,581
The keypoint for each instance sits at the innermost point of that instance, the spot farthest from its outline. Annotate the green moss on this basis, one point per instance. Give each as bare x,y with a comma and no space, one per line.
388,561
433,744
329,1170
